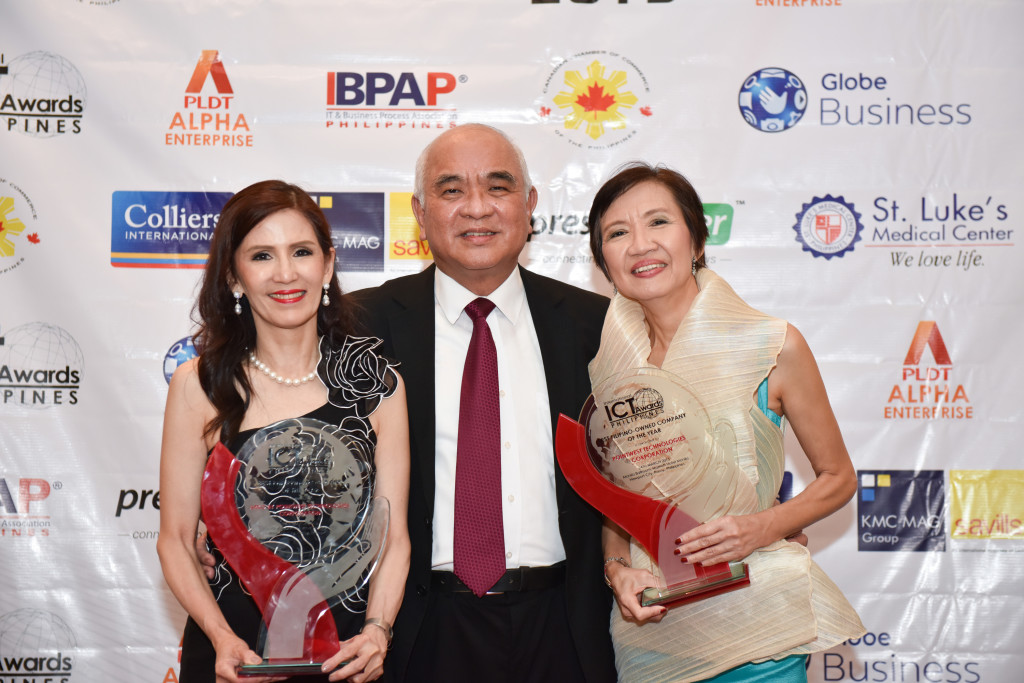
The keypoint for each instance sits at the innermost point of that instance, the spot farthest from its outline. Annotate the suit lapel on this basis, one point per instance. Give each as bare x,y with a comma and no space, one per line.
412,336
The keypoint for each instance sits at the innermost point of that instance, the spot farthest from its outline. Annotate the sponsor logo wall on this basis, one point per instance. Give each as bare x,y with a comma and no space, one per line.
859,167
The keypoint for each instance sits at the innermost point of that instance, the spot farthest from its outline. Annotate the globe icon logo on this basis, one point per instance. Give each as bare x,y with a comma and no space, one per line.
41,346
180,352
646,400
31,632
44,76
772,100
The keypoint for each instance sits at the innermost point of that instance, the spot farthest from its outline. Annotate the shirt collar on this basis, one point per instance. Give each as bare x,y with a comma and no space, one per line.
453,297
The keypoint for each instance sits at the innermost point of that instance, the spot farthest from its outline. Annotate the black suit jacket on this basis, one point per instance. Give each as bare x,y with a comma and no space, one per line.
568,321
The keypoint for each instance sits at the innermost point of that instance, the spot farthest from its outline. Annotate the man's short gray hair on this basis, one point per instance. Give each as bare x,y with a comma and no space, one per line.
419,188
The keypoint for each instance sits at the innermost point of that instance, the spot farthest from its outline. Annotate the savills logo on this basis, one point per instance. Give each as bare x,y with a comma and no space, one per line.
986,504
209,120
926,390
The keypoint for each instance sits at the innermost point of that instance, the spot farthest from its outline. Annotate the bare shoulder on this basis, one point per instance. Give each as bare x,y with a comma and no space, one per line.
186,398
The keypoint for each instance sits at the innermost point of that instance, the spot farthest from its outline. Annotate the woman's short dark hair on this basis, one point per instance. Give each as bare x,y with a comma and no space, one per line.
223,338
628,177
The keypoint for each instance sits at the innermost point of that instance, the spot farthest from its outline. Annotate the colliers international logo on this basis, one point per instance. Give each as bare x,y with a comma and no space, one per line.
828,226
163,229
209,115
42,94
18,234
597,99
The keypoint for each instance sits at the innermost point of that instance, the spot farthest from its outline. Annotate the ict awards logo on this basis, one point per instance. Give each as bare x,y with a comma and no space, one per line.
41,94
772,100
596,96
40,366
16,238
35,646
828,226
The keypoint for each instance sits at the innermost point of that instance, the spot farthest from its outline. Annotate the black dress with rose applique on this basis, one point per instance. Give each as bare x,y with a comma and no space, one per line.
357,379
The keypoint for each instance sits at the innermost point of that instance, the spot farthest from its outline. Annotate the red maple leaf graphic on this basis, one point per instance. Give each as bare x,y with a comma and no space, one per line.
646,111
544,111
1,226
595,99
33,237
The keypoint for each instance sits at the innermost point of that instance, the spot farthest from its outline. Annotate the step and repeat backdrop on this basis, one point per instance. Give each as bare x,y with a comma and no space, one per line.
860,164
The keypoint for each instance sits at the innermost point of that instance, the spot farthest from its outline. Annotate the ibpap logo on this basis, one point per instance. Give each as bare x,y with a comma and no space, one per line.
772,100
828,226
901,510
927,391
42,95
209,120
986,504
357,229
40,367
36,646
598,97
389,100
17,238
23,508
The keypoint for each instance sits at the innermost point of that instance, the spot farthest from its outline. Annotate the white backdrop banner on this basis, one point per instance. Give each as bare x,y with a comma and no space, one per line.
860,166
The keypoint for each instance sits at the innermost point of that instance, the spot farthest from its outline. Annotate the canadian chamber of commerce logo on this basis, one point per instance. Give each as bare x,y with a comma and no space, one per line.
772,100
392,100
901,510
209,116
598,98
828,226
22,508
357,228
986,504
927,390
42,95
36,646
163,229
40,366
17,238
180,353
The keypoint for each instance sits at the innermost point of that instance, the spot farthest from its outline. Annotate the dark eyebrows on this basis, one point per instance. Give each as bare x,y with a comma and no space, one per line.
447,179
503,175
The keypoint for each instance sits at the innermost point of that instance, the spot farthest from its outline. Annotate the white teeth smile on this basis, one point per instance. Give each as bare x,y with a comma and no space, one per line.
652,266
287,297
478,234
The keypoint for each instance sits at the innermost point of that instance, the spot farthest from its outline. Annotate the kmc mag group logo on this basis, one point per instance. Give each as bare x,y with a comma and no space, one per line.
392,100
40,366
598,97
42,94
16,237
928,390
901,510
36,646
209,116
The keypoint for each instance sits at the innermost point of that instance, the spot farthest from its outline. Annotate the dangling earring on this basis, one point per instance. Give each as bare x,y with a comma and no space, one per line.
326,301
238,303
693,266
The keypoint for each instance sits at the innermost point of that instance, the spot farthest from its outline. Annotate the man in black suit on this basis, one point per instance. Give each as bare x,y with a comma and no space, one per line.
547,618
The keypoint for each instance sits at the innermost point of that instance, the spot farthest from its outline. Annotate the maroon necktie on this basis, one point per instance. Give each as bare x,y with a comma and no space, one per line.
479,532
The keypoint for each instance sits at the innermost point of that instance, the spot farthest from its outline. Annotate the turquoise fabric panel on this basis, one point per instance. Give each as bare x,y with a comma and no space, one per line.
792,669
762,403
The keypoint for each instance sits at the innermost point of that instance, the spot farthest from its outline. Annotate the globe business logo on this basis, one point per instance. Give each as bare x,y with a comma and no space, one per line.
35,643
40,367
180,352
772,100
42,95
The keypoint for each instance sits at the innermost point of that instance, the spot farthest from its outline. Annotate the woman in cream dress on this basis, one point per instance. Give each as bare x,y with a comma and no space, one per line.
751,371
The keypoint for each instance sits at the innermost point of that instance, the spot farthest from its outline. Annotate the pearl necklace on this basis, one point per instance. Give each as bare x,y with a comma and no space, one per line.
262,367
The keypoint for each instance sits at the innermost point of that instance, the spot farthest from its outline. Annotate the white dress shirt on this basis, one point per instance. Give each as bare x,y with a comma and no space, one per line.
529,507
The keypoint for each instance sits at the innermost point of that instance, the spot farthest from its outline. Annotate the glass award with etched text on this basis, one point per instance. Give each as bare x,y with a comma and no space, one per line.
646,455
294,515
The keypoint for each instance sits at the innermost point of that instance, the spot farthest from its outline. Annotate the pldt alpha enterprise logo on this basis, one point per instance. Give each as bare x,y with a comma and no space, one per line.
209,120
596,92
926,391
901,510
